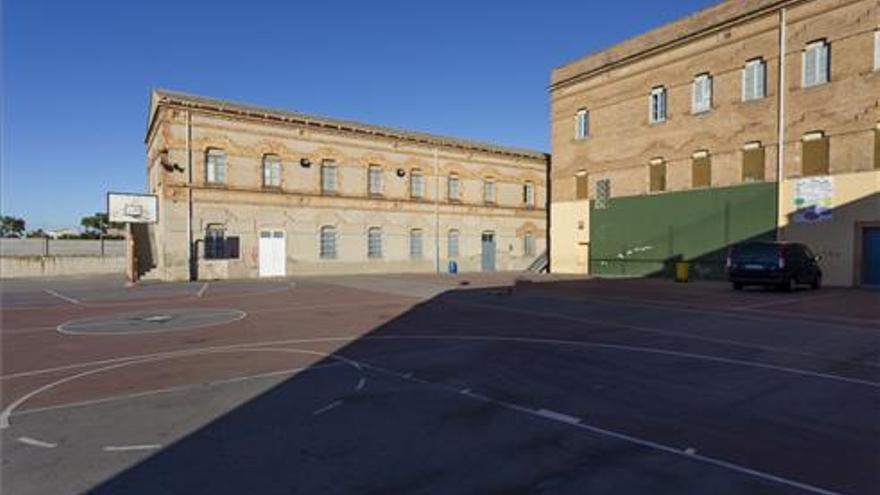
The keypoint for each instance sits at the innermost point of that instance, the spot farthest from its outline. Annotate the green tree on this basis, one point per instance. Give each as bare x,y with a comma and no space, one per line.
98,224
11,226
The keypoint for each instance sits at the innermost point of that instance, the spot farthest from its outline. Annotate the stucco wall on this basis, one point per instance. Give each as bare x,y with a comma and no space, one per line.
570,235
52,266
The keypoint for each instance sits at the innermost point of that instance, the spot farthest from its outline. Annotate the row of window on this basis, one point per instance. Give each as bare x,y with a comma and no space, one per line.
816,70
215,173
815,160
327,248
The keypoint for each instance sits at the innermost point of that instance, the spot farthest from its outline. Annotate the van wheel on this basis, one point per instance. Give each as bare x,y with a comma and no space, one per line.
737,286
817,283
788,285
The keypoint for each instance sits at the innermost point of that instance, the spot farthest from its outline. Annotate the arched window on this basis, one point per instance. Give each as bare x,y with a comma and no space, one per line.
215,166
374,242
271,171
452,244
328,242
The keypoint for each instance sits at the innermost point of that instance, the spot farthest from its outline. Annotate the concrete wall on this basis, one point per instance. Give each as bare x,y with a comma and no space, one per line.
60,247
52,266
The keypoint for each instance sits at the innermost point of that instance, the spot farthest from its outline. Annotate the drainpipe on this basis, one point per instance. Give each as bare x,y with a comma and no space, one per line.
436,211
780,118
189,198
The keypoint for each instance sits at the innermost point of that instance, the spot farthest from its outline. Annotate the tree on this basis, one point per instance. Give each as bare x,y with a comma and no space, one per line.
98,224
11,226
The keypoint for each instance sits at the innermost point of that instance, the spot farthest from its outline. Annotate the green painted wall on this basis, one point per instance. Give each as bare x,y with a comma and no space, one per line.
645,235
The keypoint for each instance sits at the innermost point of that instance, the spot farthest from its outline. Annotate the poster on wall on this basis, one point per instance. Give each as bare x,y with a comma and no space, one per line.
813,199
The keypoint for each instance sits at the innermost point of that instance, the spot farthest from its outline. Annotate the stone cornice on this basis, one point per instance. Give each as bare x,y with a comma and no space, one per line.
164,98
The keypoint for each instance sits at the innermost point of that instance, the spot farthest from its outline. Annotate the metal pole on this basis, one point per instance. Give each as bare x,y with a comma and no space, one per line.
780,115
436,211
189,198
46,246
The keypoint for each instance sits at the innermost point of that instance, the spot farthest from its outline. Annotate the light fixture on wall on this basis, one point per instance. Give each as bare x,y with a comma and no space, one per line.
166,162
305,162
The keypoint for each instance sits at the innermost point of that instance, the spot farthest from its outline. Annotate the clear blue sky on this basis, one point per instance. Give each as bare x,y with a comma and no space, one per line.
77,75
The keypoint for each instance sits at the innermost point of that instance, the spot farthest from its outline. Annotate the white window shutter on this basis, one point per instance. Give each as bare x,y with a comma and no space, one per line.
760,79
822,65
747,76
877,49
707,93
809,67
696,93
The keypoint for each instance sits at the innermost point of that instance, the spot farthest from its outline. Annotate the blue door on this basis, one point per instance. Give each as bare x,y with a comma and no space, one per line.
871,256
488,252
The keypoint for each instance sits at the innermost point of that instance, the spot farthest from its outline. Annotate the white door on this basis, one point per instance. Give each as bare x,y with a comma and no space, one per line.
273,252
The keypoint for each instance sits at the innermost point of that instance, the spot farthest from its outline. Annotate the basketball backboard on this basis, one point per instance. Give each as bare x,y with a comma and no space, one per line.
132,208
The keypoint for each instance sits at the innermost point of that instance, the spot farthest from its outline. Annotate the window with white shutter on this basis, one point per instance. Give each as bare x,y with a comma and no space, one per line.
374,180
816,64
215,166
754,80
582,124
271,171
702,94
877,50
657,105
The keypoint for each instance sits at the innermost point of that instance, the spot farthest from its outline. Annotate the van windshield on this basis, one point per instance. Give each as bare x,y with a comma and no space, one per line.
755,252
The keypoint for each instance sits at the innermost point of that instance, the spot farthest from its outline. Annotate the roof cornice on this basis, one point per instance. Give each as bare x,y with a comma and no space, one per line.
166,98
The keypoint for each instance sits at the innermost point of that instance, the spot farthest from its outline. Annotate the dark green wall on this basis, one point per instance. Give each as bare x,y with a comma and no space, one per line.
644,235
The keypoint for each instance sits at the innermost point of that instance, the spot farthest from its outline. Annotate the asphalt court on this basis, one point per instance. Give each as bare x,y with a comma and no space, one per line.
484,383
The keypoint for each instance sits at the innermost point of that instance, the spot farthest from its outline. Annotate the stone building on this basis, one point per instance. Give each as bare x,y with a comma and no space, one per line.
667,146
263,192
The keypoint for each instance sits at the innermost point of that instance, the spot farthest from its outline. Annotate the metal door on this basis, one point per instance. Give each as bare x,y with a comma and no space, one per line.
871,257
273,252
488,257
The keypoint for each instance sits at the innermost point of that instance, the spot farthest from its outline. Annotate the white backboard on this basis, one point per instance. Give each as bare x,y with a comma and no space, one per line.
132,208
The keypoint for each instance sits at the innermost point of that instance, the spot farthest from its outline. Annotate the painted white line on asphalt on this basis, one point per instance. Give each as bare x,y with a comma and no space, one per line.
62,296
788,300
64,327
332,405
565,419
202,290
690,451
37,443
658,331
557,416
361,383
168,390
7,412
128,448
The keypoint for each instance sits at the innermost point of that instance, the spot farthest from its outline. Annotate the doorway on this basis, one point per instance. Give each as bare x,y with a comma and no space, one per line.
273,253
870,262
488,254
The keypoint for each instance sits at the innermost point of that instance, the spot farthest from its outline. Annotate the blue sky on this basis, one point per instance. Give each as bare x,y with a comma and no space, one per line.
77,75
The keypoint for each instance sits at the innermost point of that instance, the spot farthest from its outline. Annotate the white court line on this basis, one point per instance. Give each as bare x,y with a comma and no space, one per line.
688,453
792,300
62,328
7,412
168,390
361,383
332,405
37,443
202,290
128,448
557,416
659,331
62,296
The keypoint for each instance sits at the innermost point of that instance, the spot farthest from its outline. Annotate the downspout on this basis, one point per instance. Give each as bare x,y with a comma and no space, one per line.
436,211
780,119
189,198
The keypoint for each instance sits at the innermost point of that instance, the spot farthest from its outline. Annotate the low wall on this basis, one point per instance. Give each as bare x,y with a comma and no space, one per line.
54,266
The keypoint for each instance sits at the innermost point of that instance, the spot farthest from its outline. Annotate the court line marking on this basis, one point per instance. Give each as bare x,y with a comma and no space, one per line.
361,383
814,374
660,331
687,453
37,443
201,292
61,328
8,410
171,390
783,316
128,448
793,300
328,407
61,296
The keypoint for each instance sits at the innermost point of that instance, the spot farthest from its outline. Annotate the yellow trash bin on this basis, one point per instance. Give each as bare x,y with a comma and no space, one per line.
682,271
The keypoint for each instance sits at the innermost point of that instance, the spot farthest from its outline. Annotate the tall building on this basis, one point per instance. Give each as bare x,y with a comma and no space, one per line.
246,191
746,120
